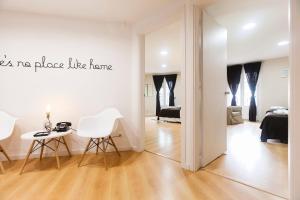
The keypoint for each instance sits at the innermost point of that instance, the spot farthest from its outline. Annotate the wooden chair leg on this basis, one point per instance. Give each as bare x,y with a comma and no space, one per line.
56,154
97,148
5,154
104,152
27,156
114,145
86,149
42,149
2,168
66,145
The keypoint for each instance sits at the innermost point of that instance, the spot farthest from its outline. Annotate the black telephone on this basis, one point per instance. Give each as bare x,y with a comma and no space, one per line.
63,126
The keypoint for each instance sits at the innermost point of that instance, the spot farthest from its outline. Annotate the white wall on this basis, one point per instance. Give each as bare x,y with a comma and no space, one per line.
272,87
71,93
150,101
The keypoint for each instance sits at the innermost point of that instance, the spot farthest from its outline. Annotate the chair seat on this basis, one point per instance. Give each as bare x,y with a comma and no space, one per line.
93,135
3,138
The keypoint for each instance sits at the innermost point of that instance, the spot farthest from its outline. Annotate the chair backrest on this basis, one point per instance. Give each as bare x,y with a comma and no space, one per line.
100,125
234,109
7,124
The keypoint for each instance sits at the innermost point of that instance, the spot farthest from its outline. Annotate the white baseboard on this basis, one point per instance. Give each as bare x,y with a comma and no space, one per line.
62,152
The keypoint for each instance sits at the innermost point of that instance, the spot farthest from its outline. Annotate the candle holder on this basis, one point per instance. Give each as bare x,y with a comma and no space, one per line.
48,124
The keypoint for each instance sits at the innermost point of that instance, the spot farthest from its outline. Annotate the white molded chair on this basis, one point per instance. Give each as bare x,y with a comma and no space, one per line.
7,124
99,129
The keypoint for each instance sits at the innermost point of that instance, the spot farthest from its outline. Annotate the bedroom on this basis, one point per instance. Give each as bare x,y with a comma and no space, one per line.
258,76
163,52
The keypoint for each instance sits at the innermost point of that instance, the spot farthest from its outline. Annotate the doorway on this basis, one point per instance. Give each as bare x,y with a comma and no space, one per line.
163,91
257,153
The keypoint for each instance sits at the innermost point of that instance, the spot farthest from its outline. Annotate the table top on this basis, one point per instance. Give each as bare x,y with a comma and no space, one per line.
53,134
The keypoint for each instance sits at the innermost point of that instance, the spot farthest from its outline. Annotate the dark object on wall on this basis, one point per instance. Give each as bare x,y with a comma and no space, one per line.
274,126
252,73
158,81
171,81
173,112
233,79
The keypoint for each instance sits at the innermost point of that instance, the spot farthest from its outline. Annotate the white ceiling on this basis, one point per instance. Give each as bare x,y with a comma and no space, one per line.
105,10
260,43
271,17
167,39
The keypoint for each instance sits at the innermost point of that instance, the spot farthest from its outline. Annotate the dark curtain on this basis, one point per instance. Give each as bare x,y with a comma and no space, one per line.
252,73
158,81
233,78
171,81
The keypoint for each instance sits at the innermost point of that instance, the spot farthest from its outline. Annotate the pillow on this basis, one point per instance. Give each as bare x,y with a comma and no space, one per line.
281,112
277,107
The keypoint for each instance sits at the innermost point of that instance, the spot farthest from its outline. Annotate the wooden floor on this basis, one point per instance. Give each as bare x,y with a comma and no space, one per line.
262,165
163,138
134,176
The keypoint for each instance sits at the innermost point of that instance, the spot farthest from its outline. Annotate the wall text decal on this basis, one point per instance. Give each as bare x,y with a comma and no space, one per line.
43,63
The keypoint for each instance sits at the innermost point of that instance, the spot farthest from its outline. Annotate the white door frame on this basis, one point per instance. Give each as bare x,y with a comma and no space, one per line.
190,137
192,86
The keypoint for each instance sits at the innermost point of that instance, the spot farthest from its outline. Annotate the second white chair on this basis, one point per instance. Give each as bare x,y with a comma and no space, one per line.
7,124
99,129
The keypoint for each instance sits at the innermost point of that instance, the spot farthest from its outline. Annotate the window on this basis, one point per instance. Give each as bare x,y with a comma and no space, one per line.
237,97
164,95
167,97
243,94
247,92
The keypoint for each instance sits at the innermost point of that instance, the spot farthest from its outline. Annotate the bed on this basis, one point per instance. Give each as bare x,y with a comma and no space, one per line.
275,125
171,114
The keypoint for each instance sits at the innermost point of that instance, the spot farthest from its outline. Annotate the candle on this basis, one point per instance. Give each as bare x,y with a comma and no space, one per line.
48,109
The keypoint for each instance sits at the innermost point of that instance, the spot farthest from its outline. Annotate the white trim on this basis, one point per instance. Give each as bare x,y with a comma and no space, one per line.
62,152
138,88
191,80
294,148
164,73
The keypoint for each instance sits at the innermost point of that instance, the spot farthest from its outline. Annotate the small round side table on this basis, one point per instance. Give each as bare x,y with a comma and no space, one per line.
43,141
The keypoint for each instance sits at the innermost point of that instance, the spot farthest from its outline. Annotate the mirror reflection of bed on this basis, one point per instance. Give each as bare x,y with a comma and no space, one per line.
163,91
163,124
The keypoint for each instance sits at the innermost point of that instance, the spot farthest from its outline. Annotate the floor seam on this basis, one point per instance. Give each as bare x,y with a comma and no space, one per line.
245,184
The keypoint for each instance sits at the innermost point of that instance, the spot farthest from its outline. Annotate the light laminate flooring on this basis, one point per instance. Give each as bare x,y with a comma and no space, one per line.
250,161
133,176
163,138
